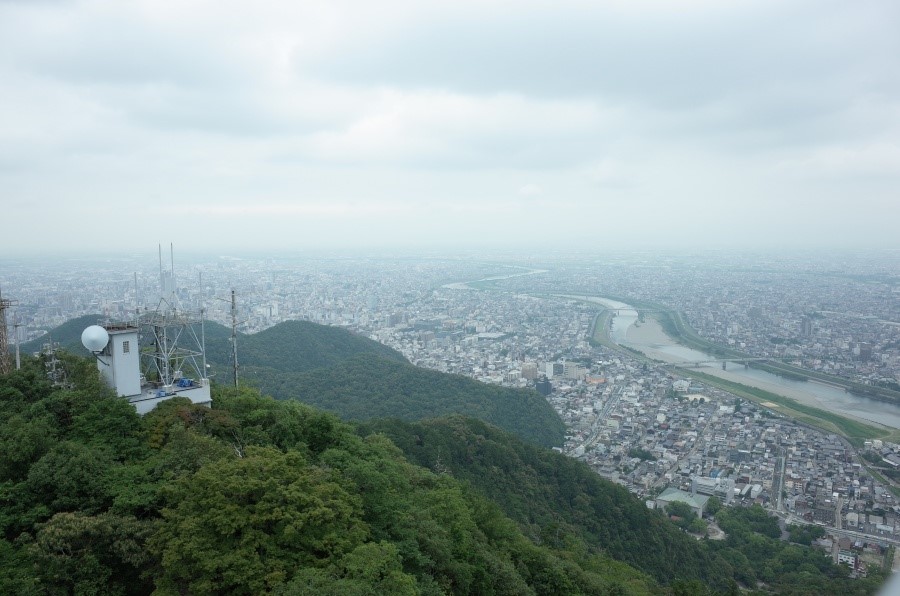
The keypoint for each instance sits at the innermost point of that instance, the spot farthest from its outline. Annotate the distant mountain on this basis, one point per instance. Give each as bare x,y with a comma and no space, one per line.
371,386
352,376
67,335
295,346
359,379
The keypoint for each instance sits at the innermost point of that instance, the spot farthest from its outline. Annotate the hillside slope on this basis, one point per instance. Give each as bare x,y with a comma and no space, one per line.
359,379
552,496
559,501
352,376
253,496
263,496
296,346
67,335
369,386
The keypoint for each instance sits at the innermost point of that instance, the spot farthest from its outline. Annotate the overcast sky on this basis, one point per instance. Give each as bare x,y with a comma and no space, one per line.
273,124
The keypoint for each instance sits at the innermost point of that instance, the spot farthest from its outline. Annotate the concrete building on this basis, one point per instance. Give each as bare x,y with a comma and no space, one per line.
670,495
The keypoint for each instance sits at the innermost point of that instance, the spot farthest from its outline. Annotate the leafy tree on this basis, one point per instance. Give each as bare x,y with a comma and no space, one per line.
16,571
84,554
680,509
245,525
713,505
805,534
24,441
71,477
368,570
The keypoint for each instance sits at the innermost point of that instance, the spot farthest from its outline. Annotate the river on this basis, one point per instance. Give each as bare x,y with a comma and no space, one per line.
464,285
649,337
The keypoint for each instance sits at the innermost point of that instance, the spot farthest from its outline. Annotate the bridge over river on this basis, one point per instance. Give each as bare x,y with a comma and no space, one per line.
723,361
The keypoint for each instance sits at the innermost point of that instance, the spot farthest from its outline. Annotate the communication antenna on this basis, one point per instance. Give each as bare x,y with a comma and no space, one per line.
172,259
233,338
168,289
55,372
4,338
137,308
203,325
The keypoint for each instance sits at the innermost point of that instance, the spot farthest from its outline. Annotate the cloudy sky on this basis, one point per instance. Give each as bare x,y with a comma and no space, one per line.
592,124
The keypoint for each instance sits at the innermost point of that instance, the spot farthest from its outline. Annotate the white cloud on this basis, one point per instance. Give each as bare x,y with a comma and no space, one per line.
491,117
530,190
837,161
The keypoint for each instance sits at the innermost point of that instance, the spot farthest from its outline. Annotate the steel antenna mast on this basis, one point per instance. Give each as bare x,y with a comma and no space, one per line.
4,338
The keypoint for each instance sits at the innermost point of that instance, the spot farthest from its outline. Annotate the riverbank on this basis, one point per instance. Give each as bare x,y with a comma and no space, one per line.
619,327
649,338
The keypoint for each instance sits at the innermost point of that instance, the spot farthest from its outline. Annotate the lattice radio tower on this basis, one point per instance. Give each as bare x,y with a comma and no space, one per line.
5,365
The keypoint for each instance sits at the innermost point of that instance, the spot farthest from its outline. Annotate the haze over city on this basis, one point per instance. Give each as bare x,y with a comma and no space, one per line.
226,125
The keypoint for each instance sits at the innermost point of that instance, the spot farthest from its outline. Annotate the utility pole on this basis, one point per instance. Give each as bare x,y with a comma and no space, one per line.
234,337
16,326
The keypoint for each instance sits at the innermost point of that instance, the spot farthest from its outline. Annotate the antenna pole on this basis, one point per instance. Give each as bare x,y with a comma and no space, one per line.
136,305
234,337
172,257
205,373
16,326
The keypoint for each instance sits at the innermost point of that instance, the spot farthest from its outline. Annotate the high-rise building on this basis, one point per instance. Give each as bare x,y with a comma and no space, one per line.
806,327
543,386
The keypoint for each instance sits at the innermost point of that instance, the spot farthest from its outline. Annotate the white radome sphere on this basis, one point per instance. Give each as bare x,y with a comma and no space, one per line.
94,338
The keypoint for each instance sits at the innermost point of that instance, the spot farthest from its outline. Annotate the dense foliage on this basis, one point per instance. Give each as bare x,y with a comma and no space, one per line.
368,386
263,496
756,553
557,500
252,496
359,379
554,498
295,346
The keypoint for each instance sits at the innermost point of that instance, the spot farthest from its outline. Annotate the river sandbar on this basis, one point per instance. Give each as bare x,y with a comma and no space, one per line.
650,338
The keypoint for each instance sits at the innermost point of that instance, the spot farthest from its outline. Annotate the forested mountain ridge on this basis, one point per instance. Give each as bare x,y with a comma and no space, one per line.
358,379
68,335
355,377
259,496
296,346
554,498
369,386
252,496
